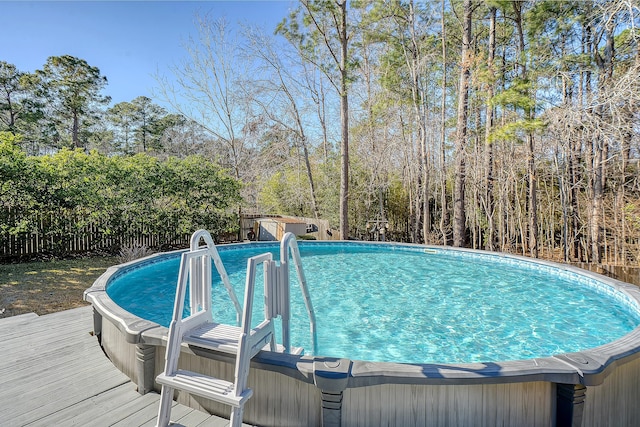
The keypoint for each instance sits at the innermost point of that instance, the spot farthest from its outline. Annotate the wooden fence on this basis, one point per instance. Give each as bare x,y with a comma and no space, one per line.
63,236
619,272
68,235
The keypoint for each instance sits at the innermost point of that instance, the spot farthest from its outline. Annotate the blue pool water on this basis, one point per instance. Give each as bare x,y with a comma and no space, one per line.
408,305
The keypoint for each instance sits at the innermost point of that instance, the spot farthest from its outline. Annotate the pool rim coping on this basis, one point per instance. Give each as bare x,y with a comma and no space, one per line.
588,367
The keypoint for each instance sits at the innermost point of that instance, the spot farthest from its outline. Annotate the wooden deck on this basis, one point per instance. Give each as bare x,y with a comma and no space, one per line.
54,373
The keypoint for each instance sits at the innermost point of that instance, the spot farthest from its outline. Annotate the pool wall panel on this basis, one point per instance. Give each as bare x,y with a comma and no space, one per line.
615,401
521,404
121,353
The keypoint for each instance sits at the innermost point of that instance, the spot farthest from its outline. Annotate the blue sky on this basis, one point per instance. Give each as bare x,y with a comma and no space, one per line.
129,41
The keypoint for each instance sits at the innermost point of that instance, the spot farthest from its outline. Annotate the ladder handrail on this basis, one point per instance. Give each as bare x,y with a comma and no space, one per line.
244,342
289,245
213,252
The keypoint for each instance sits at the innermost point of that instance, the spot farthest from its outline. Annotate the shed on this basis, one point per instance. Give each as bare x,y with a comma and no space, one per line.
275,228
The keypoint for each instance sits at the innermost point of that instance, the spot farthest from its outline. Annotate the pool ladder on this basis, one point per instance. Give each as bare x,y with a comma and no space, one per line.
244,342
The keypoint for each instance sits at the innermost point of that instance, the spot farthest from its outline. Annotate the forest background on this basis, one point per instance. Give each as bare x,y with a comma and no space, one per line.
501,125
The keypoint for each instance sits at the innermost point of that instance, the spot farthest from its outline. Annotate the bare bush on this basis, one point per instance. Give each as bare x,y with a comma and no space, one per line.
130,253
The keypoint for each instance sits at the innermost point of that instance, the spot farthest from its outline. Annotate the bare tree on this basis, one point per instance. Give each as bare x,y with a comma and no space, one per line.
284,98
208,90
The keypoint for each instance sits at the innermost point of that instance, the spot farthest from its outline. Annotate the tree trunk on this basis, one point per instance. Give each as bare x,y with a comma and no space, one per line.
344,122
444,214
489,208
459,216
533,198
574,155
312,187
144,133
75,130
597,196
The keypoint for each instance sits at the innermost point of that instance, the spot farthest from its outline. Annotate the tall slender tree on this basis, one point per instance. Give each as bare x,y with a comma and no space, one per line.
529,111
121,116
489,201
72,90
324,34
149,124
459,215
444,205
20,111
11,90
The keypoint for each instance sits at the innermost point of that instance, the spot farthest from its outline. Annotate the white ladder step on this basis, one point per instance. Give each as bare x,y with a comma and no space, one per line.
214,336
212,388
225,338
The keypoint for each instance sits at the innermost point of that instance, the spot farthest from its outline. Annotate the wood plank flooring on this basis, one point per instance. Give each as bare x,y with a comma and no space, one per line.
54,373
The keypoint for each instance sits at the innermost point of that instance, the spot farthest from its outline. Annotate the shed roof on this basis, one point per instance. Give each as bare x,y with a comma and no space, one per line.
288,220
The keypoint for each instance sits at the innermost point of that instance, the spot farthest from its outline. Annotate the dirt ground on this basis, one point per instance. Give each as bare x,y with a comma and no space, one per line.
48,286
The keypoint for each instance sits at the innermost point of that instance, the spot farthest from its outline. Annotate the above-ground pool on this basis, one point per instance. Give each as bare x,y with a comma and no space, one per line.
397,326
401,304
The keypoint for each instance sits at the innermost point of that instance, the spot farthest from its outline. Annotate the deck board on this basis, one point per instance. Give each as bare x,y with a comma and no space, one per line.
192,419
20,318
53,372
141,416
